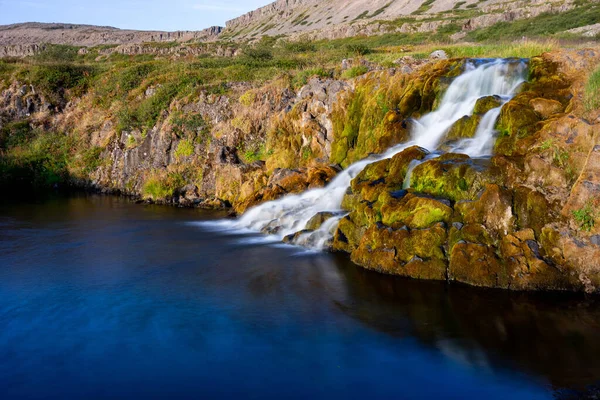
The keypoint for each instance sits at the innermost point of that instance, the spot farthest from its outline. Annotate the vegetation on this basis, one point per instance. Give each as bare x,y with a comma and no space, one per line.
161,185
355,71
592,91
137,92
38,160
544,25
585,218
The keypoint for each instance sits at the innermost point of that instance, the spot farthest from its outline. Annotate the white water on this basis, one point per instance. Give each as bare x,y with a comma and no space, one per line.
291,213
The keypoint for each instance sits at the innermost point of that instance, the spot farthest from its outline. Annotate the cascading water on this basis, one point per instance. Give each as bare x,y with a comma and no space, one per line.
290,214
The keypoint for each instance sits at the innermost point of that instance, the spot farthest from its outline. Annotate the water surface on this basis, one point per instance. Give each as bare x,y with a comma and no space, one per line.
102,298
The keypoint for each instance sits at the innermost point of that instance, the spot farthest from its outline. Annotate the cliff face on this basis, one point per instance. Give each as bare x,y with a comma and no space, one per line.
337,19
20,40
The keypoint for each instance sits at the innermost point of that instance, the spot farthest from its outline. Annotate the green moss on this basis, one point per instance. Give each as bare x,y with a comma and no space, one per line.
40,162
455,178
416,213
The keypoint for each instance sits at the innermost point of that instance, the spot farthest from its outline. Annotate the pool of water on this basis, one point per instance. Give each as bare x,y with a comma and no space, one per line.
102,298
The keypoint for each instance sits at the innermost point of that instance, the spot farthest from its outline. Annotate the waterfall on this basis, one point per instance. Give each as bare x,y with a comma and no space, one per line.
290,214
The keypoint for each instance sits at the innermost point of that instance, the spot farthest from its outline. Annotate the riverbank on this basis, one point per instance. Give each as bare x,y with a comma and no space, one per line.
183,134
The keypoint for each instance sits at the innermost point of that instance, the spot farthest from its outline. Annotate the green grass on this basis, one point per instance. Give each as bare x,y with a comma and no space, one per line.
185,148
592,91
544,25
427,4
355,71
585,217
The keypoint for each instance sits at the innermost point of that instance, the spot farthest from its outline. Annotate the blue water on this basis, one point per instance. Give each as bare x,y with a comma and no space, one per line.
102,298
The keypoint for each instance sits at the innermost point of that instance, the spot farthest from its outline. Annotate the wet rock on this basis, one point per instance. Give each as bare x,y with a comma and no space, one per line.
315,222
415,212
411,253
486,104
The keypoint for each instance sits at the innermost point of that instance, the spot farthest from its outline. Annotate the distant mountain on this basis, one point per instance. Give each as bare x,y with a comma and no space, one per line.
34,33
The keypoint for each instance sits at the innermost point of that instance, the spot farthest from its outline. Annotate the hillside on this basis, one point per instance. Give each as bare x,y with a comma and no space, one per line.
344,18
89,35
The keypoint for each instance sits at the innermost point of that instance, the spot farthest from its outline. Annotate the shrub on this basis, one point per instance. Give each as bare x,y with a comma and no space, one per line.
57,53
303,76
53,80
358,49
162,185
248,98
259,54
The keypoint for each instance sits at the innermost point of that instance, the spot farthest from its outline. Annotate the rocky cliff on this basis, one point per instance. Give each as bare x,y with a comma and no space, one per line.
337,19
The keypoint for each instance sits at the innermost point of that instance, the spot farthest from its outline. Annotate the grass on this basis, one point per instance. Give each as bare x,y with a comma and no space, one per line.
544,25
585,217
117,85
185,148
592,91
355,71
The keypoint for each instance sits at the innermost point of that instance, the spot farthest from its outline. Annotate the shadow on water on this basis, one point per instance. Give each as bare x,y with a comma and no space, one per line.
554,335
88,280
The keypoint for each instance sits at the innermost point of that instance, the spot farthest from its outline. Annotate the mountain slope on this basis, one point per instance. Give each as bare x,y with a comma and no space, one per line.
343,18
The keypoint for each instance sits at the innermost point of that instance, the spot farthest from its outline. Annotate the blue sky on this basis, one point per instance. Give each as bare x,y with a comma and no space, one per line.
168,15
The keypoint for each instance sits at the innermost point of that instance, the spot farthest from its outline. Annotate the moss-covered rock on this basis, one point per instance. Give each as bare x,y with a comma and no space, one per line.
319,219
486,104
411,253
416,212
452,176
464,128
347,235
546,108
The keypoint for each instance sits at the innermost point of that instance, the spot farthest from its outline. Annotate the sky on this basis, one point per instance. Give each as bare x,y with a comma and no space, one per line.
168,15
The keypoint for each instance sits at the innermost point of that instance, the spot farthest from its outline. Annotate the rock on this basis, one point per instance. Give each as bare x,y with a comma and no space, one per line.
486,104
415,212
452,176
315,222
477,265
492,210
228,155
439,55
464,128
415,253
546,108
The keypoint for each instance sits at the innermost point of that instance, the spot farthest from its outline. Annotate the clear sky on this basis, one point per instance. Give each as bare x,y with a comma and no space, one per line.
170,15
